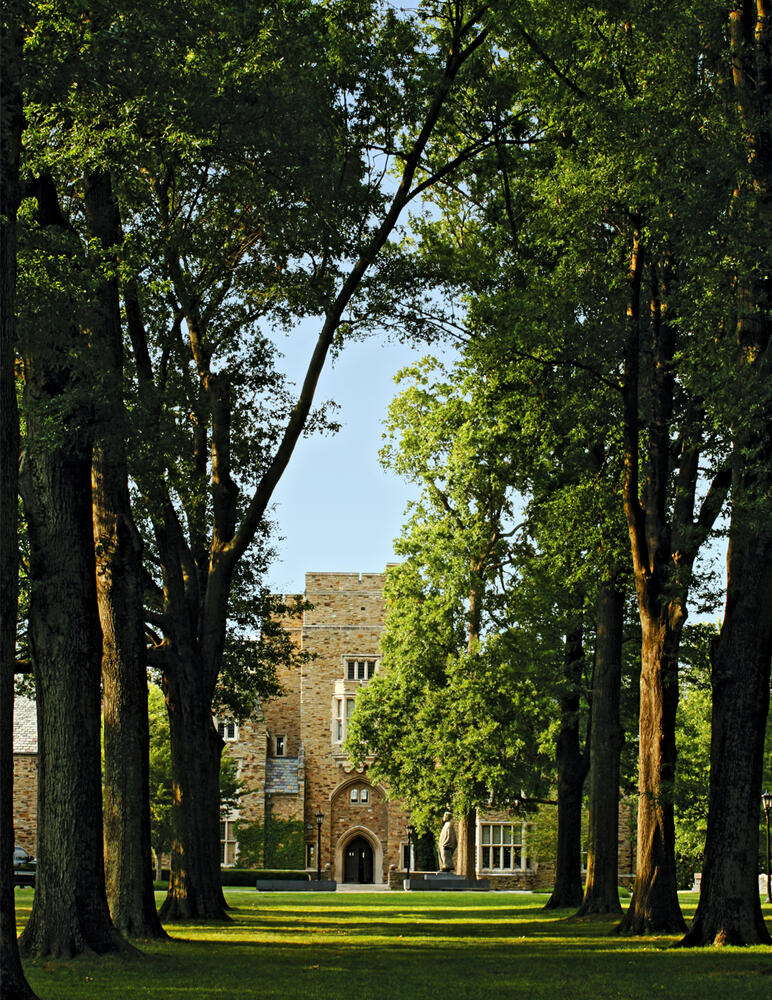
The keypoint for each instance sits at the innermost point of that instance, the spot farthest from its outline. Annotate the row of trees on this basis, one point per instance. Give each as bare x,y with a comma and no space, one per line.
181,184
178,186
608,279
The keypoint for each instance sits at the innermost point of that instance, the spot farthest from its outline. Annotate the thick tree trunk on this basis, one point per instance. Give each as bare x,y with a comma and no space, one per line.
128,858
70,913
654,907
601,895
664,541
466,855
13,985
194,885
572,770
729,911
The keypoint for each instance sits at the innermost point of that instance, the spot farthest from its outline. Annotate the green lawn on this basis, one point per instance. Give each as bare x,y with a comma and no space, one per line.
395,946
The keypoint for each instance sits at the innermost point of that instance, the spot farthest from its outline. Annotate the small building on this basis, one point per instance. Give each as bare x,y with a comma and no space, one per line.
25,773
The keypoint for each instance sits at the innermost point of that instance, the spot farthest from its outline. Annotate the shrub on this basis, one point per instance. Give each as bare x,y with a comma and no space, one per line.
282,848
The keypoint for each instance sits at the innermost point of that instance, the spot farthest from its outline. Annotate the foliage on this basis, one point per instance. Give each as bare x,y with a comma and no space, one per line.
282,845
160,773
456,715
693,744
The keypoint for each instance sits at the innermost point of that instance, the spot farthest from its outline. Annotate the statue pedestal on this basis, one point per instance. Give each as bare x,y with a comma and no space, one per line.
445,882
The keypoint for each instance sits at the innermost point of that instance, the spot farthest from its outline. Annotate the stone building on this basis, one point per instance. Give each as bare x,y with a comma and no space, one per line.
292,762
293,767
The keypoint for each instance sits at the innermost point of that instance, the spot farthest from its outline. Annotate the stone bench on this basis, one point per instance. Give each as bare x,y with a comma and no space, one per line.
294,885
445,882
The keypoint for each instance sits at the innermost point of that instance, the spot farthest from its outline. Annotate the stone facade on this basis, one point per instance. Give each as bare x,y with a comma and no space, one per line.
304,772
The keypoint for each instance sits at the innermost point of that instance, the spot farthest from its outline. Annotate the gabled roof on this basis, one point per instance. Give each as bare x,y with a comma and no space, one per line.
25,726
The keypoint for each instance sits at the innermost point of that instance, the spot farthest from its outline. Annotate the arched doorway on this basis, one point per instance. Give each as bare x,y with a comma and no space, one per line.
358,861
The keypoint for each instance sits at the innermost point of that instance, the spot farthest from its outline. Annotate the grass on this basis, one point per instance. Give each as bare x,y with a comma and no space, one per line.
395,946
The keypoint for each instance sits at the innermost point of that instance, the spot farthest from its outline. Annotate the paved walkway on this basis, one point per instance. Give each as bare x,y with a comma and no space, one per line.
358,887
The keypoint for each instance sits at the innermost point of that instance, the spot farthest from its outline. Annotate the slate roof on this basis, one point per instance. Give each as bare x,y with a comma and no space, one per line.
281,775
25,726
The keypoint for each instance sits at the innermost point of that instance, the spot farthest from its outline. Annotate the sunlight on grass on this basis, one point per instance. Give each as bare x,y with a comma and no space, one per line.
400,947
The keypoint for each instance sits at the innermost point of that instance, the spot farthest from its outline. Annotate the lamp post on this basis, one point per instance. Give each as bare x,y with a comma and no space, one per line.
409,843
766,798
319,818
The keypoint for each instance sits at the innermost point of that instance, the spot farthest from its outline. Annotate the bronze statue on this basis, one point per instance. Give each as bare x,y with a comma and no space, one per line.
447,843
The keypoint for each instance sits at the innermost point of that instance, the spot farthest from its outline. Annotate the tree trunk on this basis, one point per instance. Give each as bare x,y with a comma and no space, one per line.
601,894
729,910
13,985
194,884
128,858
572,770
69,913
664,541
654,907
466,857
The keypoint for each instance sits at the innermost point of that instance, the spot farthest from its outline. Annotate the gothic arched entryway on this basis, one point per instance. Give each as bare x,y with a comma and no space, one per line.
358,861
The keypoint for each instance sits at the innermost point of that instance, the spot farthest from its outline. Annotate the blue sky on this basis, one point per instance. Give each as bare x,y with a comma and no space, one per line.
336,508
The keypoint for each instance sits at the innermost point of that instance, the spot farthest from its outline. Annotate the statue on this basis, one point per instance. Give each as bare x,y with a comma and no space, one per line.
447,843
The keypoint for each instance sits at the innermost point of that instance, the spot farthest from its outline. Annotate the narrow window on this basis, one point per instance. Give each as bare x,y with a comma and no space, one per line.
227,842
354,794
227,730
280,745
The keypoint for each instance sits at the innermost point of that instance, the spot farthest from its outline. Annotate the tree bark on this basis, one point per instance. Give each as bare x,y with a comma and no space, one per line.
467,846
729,910
654,907
572,770
69,913
13,984
664,539
601,894
118,548
194,883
